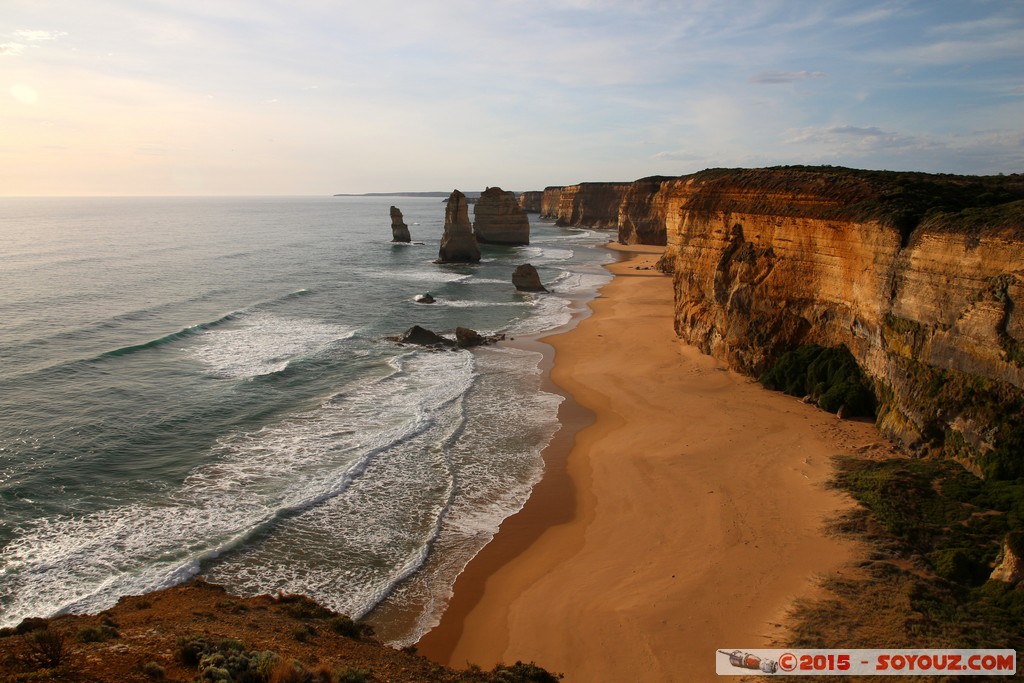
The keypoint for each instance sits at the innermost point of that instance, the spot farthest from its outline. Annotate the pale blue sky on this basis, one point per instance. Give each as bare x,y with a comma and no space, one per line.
128,97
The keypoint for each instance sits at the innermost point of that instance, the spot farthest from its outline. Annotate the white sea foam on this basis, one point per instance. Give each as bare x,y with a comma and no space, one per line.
479,304
263,343
574,282
427,276
548,312
555,254
497,461
574,234
352,549
84,563
487,281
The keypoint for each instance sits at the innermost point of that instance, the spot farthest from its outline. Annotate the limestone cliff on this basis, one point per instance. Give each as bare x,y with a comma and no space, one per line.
549,201
499,219
918,275
458,243
531,201
642,218
590,205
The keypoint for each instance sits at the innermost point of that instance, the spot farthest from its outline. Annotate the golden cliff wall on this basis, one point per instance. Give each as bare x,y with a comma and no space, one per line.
531,200
549,201
767,260
642,212
591,205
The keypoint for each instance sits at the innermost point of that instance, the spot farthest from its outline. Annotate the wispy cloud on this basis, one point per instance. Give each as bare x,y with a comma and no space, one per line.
870,16
678,155
35,36
861,137
23,38
774,77
1006,44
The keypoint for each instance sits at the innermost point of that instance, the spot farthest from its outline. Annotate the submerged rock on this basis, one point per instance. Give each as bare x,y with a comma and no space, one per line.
399,230
467,337
421,336
458,245
499,219
526,279
464,338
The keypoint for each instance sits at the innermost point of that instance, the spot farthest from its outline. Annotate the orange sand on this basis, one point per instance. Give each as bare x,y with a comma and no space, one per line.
687,518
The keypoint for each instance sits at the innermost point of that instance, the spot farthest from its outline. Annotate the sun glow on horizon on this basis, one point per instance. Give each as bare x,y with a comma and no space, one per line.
302,98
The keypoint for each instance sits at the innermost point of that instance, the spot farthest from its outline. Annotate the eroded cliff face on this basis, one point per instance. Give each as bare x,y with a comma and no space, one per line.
499,219
768,260
530,201
549,201
642,217
590,205
458,244
399,230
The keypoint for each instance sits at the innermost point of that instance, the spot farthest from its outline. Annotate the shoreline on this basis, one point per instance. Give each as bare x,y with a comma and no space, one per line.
552,500
587,579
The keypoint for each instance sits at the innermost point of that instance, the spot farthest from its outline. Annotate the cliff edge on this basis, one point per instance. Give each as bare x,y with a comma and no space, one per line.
917,275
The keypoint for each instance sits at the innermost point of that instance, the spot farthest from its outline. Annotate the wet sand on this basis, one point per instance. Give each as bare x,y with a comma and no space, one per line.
682,509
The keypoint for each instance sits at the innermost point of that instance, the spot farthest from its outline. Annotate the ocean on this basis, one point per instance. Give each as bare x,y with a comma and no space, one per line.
203,386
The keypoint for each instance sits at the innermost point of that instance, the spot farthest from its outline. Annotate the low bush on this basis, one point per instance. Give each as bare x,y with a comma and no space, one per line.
523,673
303,633
47,648
830,375
154,671
351,629
946,528
97,634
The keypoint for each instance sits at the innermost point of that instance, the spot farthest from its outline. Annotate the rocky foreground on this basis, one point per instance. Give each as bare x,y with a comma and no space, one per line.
200,632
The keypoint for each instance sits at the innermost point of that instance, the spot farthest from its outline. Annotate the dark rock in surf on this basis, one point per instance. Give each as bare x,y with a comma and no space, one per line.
466,338
421,336
425,298
526,279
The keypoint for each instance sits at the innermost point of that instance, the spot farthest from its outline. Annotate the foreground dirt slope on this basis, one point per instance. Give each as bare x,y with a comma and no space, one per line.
145,638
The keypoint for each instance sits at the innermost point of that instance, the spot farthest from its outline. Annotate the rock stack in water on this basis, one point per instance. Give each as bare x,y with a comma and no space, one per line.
458,245
499,219
399,230
526,279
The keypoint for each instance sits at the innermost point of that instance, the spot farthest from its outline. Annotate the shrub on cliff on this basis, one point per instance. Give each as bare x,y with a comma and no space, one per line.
226,660
831,376
523,673
350,628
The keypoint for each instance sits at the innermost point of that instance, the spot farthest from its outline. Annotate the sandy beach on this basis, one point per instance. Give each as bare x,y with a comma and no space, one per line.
684,515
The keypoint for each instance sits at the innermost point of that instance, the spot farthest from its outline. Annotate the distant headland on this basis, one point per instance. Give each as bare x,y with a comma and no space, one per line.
439,195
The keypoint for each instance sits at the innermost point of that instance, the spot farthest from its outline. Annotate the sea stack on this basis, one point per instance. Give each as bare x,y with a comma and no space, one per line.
458,245
526,279
498,218
399,230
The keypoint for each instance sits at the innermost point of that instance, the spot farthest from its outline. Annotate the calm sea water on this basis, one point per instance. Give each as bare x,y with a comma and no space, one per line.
202,386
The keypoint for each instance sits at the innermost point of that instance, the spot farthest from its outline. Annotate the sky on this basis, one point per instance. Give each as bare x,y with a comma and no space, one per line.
315,97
